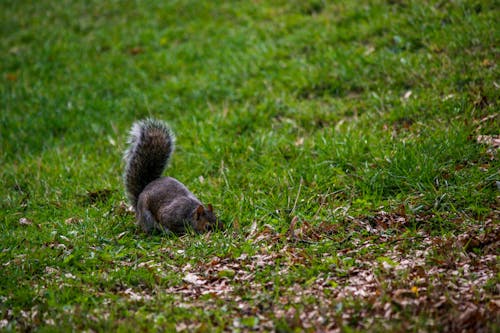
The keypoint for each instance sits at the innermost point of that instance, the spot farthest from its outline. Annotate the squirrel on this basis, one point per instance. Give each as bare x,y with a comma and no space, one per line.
160,203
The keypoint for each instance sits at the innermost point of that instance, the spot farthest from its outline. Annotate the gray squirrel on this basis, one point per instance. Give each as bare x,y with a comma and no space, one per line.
160,203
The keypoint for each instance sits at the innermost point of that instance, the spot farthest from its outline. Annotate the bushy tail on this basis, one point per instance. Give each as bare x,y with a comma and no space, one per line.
151,142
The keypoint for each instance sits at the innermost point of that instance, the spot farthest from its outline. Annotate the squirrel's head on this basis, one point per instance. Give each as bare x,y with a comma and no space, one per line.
204,219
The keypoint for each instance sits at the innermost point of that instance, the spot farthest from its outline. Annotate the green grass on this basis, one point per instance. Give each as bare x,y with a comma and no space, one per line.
357,120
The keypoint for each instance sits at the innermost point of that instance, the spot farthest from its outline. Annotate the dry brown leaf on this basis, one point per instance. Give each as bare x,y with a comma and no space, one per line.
487,63
11,77
136,50
73,220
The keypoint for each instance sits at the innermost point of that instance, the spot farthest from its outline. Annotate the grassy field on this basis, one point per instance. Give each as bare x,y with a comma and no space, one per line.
349,147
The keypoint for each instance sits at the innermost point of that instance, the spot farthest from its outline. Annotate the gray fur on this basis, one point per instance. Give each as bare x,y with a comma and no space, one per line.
151,142
160,203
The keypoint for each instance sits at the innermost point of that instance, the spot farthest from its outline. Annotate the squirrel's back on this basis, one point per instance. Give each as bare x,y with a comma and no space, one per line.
151,142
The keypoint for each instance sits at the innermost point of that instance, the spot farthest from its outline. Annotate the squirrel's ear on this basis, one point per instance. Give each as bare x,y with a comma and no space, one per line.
210,208
200,210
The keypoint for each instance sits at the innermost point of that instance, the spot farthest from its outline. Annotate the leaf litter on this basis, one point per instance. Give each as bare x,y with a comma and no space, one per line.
442,280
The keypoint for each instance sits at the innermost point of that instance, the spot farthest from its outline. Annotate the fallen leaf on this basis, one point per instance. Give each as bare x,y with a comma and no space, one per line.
25,221
124,208
51,270
299,142
291,231
490,140
252,229
72,220
487,63
12,77
136,50
369,50
193,279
